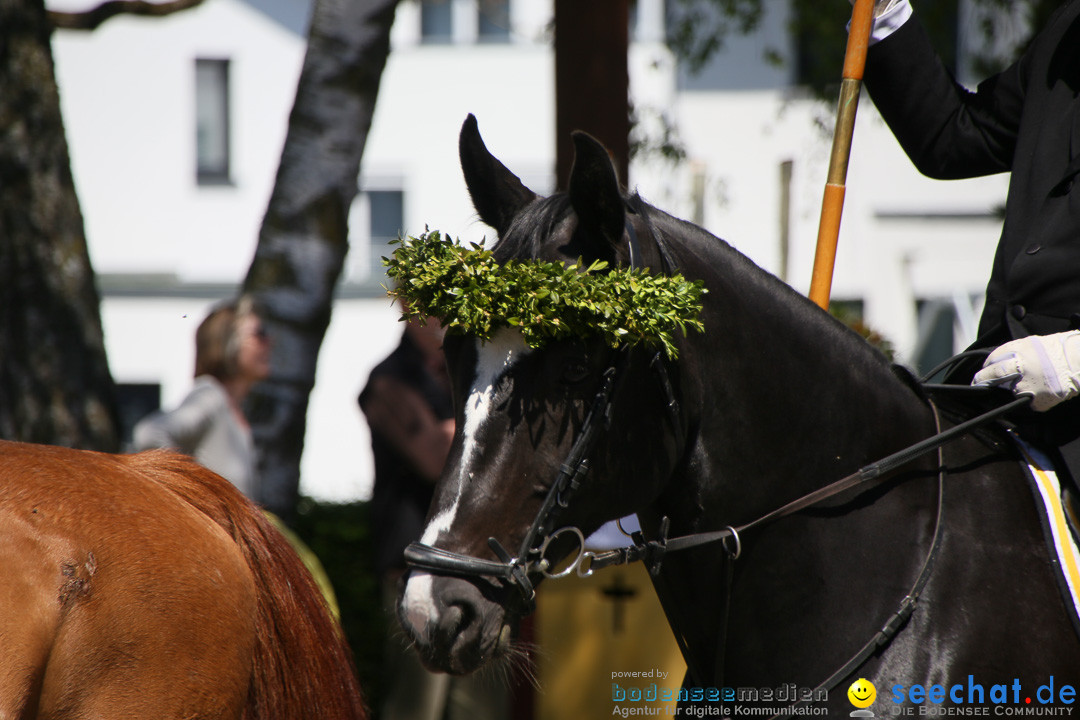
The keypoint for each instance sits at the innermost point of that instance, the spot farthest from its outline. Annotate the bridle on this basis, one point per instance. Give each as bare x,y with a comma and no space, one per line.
531,559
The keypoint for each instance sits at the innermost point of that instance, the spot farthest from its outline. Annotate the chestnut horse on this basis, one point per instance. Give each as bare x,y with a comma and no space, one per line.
145,586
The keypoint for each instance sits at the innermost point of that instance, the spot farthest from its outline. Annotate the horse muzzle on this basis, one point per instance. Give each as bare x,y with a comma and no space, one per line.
455,624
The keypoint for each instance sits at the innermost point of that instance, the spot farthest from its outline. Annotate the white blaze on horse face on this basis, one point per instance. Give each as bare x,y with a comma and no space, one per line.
493,360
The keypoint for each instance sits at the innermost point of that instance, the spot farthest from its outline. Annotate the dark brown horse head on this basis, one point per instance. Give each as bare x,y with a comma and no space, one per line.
520,410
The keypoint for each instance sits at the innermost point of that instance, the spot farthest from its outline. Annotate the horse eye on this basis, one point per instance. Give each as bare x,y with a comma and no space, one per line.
574,372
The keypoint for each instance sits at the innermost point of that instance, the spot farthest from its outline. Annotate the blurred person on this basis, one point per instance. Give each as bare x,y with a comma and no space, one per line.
232,354
408,407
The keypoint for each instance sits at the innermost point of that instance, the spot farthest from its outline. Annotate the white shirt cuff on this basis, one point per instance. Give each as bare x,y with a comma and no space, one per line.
890,21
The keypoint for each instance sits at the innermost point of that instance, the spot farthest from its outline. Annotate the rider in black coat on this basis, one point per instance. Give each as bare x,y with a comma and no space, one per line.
1024,120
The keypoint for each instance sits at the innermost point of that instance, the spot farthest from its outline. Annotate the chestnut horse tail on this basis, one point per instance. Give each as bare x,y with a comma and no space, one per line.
303,667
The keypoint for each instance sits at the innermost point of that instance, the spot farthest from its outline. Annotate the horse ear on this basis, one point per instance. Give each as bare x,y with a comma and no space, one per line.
497,194
594,189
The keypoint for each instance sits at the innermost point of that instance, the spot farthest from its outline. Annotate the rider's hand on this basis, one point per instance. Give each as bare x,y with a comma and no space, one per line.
1047,367
881,6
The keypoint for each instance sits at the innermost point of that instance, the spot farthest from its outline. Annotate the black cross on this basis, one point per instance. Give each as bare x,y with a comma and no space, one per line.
619,593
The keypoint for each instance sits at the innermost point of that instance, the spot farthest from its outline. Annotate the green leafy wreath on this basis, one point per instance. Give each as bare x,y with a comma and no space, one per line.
469,292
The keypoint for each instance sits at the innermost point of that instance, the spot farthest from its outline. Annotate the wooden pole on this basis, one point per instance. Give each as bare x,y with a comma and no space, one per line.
832,206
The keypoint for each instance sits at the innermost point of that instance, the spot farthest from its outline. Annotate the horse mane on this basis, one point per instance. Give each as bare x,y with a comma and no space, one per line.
303,666
535,223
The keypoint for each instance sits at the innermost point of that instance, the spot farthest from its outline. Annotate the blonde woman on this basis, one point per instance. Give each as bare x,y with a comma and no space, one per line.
232,354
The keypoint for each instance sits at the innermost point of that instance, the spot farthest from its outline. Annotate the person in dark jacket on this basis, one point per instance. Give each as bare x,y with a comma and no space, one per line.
1025,120
408,407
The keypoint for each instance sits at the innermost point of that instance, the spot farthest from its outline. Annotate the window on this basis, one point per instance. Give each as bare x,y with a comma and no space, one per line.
436,21
494,21
935,342
134,402
386,220
464,21
212,121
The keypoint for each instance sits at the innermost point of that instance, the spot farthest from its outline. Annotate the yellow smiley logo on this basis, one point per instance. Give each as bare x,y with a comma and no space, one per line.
862,693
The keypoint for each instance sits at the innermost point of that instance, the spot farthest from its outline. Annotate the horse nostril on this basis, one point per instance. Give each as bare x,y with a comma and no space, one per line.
457,617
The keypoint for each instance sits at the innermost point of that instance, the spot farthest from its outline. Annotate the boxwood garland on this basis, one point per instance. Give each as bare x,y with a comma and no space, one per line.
469,292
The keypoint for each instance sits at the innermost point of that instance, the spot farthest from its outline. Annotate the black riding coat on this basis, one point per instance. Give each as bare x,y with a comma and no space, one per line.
1025,120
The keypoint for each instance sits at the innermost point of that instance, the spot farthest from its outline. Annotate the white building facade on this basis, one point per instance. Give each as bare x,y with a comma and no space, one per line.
176,127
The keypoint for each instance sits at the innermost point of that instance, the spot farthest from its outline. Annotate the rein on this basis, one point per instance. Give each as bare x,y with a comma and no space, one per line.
655,549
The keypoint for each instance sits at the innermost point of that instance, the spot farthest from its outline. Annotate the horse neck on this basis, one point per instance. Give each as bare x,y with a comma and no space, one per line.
785,398
779,400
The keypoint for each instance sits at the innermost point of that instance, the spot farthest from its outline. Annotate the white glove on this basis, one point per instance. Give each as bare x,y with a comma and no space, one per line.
881,6
889,15
1047,367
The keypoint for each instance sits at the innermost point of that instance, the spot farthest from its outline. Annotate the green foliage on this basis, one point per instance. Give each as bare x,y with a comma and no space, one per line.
653,134
852,317
340,536
994,32
469,292
819,33
820,38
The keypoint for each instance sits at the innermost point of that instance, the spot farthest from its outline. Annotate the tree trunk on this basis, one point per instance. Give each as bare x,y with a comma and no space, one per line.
303,240
55,385
591,80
